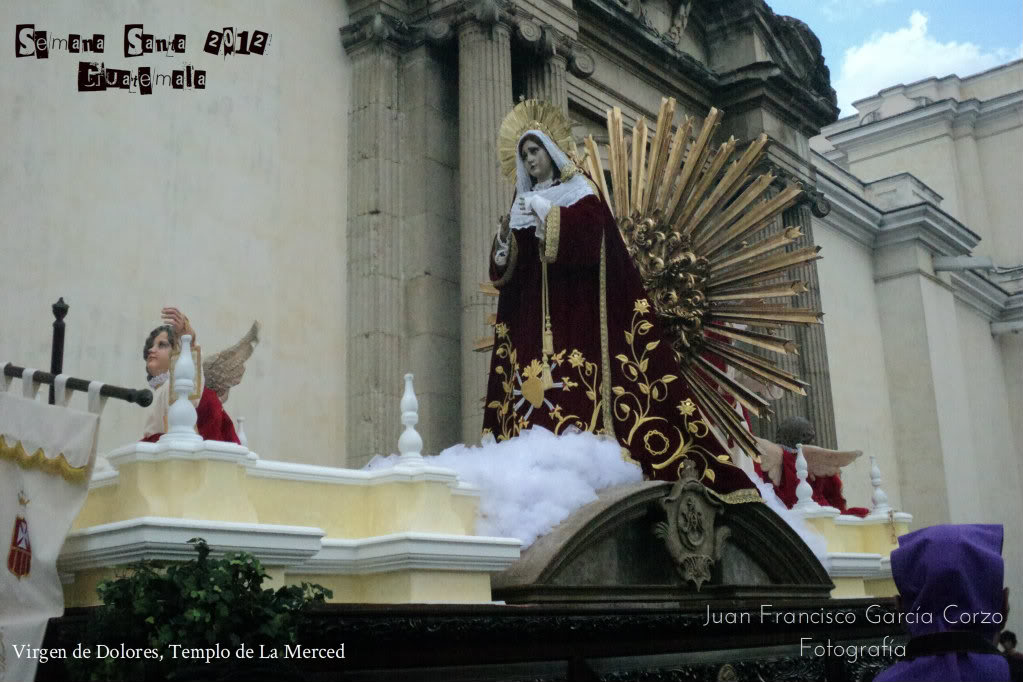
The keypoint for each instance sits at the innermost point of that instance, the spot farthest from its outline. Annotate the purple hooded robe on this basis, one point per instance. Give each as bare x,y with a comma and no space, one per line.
954,573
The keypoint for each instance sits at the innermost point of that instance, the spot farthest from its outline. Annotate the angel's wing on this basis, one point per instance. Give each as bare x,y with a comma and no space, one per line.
770,459
824,462
224,370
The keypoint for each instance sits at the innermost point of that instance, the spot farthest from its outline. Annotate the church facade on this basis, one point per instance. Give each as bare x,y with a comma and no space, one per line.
431,83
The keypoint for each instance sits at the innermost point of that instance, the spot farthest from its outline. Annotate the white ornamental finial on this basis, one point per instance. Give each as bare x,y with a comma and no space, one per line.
181,416
410,444
242,438
804,493
880,497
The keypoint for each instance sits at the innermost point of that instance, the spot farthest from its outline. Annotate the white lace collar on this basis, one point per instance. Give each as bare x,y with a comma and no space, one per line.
157,381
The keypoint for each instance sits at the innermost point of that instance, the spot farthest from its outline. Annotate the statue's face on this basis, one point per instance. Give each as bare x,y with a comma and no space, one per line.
158,357
537,160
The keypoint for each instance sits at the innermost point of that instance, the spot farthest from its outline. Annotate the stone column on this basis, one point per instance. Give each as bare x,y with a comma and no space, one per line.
374,285
545,79
938,465
817,406
811,365
485,88
430,233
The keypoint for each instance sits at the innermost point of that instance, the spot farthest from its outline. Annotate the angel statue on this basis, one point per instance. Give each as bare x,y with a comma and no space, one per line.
215,377
777,466
577,342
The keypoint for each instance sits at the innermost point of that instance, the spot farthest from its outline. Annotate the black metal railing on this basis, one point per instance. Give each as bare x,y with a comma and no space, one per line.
143,397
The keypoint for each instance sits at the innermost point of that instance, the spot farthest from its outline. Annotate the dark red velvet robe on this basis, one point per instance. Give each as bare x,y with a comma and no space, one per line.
652,411
212,422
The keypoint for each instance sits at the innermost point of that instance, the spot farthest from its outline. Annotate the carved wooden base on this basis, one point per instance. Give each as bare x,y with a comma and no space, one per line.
546,643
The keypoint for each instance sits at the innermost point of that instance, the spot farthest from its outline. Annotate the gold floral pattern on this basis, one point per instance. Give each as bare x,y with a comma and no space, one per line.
663,441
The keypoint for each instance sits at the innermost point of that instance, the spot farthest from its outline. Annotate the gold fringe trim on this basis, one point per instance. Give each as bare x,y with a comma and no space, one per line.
738,496
38,460
605,349
552,234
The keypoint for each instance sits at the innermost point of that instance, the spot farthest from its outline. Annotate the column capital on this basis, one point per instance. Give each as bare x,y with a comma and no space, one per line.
377,29
548,43
488,13
580,62
819,205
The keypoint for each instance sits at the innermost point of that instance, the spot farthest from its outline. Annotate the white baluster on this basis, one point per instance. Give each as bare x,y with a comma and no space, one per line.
410,443
804,493
242,438
181,416
880,497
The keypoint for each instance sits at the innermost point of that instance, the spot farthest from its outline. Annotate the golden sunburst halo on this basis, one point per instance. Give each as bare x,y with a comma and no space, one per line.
696,227
532,114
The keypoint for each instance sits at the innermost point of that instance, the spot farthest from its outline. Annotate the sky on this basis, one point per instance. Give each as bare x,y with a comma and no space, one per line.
870,45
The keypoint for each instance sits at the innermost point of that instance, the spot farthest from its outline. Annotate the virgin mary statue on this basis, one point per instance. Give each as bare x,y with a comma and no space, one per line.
576,343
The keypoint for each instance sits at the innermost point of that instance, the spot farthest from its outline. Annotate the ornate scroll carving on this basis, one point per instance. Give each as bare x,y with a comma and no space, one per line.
690,533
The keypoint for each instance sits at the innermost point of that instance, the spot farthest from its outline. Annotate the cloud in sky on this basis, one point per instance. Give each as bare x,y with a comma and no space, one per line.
841,10
906,55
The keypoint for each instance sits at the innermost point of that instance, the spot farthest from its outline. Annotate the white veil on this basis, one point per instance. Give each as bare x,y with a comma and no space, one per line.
563,194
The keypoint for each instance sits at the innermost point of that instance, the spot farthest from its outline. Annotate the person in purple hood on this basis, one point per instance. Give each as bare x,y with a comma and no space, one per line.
952,602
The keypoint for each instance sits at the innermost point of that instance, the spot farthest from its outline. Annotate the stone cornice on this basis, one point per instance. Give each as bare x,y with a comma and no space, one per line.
624,29
939,232
150,537
1012,311
981,294
855,217
441,28
378,29
790,168
795,66
851,215
411,551
768,84
968,114
299,549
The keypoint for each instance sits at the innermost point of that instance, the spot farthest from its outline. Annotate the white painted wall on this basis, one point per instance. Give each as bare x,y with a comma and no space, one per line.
932,160
995,454
859,383
1000,153
229,203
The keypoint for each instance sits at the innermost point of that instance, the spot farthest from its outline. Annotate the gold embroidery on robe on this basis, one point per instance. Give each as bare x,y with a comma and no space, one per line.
633,402
524,393
552,235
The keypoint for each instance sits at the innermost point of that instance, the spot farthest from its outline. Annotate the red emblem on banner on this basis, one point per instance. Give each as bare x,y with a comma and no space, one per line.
19,559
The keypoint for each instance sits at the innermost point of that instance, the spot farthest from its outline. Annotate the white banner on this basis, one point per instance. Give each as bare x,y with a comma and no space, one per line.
47,454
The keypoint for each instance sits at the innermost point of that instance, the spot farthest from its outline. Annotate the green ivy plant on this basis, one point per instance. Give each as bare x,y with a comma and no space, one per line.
198,604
